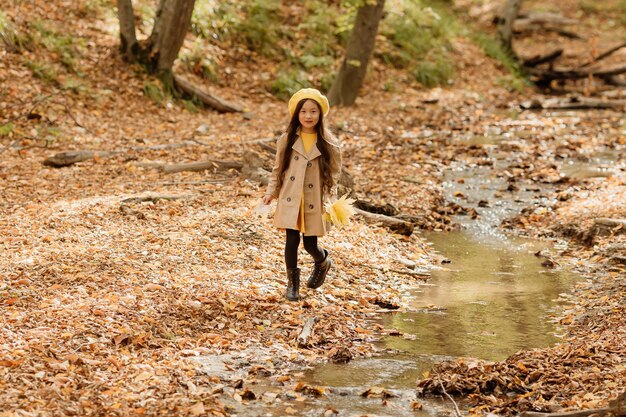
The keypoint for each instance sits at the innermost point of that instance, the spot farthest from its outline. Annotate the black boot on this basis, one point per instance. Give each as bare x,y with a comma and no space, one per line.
293,284
318,275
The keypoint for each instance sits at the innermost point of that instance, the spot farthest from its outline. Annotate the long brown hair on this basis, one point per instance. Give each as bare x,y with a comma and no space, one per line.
322,145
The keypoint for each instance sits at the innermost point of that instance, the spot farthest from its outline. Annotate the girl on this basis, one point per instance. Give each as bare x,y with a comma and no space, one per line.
305,175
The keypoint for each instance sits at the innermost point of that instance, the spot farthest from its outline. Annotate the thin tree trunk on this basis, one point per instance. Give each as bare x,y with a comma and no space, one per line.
170,27
346,86
506,18
128,38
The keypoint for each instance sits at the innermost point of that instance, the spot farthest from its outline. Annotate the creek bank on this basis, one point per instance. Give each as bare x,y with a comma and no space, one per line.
587,370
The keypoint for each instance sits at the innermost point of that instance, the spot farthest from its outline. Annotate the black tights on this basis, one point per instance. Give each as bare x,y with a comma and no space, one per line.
291,248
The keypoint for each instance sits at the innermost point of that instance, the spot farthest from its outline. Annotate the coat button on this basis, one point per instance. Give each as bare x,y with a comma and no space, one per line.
292,178
296,157
309,164
310,185
311,206
288,199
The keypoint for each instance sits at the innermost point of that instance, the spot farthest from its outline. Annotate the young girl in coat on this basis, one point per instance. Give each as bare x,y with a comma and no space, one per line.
305,176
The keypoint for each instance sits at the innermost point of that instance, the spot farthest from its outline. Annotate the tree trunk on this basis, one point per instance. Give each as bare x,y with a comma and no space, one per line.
128,39
346,86
505,21
160,50
170,27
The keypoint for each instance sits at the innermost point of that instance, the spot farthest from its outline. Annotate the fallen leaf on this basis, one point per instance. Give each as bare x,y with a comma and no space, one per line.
197,409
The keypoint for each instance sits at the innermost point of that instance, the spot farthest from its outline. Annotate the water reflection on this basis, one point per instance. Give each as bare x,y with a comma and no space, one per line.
494,297
492,300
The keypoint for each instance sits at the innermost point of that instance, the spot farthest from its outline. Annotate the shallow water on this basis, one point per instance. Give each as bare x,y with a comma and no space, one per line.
490,301
603,163
493,299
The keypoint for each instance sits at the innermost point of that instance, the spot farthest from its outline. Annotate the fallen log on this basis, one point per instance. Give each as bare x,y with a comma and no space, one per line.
544,18
212,101
597,412
573,103
545,21
191,166
399,226
603,55
307,332
153,198
271,149
66,158
386,209
261,141
251,166
542,59
176,183
546,76
201,166
522,27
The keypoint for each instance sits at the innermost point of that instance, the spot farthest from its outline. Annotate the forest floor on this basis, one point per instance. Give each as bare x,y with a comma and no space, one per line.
114,274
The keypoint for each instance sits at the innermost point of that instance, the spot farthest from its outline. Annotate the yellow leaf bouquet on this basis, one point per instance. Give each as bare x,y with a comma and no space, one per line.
340,212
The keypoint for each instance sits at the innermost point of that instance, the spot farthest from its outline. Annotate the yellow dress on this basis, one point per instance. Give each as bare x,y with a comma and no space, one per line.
308,140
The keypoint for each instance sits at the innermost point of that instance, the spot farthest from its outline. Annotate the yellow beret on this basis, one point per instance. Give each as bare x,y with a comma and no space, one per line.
309,93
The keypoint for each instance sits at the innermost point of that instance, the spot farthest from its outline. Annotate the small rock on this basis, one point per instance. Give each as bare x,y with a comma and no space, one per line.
202,129
248,395
343,355
563,196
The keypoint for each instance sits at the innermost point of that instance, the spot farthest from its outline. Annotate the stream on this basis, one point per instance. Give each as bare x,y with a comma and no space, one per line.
490,297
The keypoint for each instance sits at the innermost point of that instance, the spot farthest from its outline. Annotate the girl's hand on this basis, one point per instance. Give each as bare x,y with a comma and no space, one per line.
267,199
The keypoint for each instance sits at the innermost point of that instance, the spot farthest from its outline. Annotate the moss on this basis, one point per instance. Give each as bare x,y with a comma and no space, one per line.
434,71
516,79
154,91
5,130
43,70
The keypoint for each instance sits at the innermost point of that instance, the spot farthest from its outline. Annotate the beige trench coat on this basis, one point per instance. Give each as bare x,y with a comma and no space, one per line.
303,176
